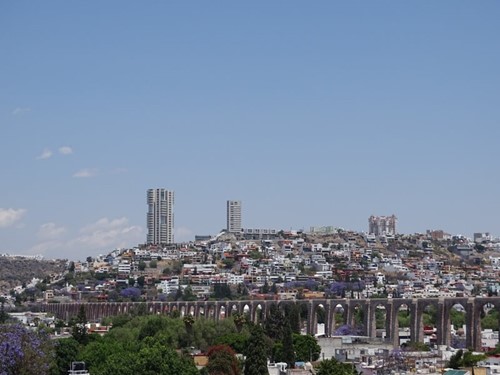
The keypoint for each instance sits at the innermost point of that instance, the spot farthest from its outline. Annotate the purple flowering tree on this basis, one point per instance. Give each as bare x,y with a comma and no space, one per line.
132,293
348,330
23,351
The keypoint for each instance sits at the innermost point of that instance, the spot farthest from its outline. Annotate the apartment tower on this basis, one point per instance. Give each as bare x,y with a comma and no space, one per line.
160,218
382,225
233,215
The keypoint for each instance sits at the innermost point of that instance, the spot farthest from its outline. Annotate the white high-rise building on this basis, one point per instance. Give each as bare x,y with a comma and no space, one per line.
160,218
233,215
382,225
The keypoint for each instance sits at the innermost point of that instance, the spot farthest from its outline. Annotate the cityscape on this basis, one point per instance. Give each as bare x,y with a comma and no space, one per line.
380,301
249,188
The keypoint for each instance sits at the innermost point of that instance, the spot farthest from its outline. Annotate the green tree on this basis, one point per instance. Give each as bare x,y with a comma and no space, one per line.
334,367
153,264
79,330
189,295
237,341
490,321
142,265
256,356
464,359
66,351
155,358
140,281
457,318
306,347
274,323
3,315
239,320
293,314
403,319
222,291
265,288
288,347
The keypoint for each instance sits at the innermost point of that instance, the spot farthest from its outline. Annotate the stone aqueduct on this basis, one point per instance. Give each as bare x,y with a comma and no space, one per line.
218,309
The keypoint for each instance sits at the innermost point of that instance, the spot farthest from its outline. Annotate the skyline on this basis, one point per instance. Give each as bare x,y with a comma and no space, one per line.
311,115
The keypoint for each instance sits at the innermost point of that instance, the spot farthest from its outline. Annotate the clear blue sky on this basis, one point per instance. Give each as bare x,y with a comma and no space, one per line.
310,113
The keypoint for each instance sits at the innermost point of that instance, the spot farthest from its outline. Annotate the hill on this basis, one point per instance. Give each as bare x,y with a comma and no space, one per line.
15,271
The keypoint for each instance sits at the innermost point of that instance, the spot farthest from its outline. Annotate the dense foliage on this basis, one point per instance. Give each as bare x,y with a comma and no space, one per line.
139,343
334,367
222,361
464,359
24,352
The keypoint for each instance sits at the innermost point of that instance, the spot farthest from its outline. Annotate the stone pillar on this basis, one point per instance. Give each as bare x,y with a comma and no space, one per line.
310,318
371,322
470,334
327,319
416,312
442,324
350,313
393,326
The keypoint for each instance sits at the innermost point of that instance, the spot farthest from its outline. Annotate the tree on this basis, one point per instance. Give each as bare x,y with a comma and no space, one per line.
265,288
288,347
79,331
274,323
142,265
256,357
23,351
237,341
334,367
189,295
222,361
153,264
306,347
239,320
66,351
490,321
131,293
3,315
222,291
464,359
293,315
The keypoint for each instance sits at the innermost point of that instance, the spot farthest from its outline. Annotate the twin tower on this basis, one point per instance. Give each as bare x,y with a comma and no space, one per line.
160,216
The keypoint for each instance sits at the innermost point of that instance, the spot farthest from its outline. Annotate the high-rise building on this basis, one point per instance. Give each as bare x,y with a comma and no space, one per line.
160,218
233,215
382,225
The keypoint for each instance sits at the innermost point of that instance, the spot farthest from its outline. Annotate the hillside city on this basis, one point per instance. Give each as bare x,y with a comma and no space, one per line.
277,265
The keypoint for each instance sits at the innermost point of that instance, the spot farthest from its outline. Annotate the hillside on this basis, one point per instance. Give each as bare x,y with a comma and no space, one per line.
15,271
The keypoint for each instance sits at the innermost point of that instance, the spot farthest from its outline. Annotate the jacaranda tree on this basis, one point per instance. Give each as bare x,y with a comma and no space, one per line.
24,352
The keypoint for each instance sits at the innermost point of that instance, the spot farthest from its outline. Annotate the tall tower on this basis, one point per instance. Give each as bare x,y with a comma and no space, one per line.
160,218
233,215
382,225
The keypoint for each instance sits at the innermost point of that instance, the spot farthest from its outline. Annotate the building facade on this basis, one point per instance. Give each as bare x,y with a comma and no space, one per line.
233,215
382,225
160,217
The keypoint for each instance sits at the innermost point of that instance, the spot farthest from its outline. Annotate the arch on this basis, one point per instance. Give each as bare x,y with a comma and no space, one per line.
428,327
467,336
318,319
259,312
221,312
338,316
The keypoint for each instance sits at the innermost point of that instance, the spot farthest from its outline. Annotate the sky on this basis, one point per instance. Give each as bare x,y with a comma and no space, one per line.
311,113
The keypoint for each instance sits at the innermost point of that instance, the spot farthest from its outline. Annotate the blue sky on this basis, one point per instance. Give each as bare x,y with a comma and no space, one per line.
310,113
